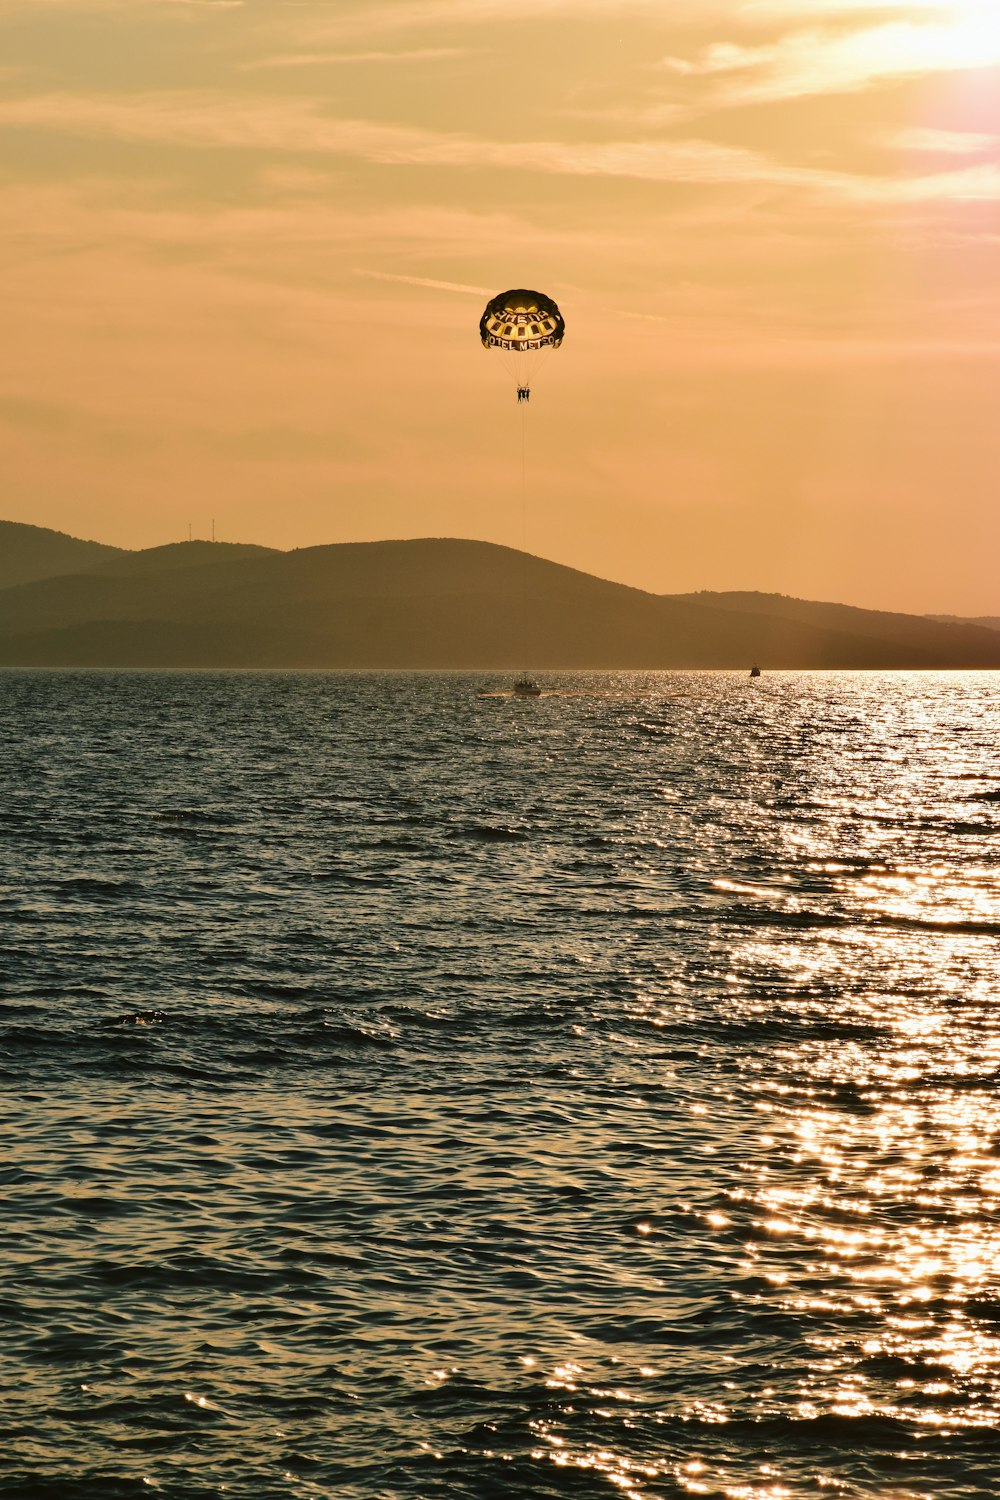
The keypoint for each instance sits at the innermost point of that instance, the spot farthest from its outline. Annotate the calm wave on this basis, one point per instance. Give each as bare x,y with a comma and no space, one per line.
414,1094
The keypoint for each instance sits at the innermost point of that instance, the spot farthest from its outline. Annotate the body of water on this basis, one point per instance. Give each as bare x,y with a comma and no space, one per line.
413,1094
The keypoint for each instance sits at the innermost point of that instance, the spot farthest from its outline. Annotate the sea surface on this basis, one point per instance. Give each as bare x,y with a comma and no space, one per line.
409,1093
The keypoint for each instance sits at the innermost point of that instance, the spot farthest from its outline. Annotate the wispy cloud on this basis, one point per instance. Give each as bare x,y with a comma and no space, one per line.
313,59
418,14
844,9
438,286
293,233
821,62
940,142
103,7
194,120
375,17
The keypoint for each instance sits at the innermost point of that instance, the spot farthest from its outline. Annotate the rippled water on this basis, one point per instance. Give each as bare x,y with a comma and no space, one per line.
413,1094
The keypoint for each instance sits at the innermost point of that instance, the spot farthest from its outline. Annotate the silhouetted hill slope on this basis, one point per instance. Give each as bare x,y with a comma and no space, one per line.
176,556
988,622
916,632
30,552
434,603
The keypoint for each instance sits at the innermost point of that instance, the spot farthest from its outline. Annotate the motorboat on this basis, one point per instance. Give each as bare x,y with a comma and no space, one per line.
527,687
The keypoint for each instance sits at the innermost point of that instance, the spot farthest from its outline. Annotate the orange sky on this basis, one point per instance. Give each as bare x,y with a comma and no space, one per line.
247,242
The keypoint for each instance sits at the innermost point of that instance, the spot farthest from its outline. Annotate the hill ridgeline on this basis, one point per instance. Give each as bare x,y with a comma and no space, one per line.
432,603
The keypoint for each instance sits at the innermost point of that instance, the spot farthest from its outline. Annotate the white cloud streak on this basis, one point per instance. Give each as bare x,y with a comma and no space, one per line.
438,286
940,142
377,16
314,59
193,120
820,62
150,8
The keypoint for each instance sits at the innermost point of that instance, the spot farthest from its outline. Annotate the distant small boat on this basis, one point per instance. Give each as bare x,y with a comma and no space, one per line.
527,687
755,670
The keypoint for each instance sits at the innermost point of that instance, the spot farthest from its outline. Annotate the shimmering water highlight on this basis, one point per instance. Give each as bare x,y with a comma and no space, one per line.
413,1094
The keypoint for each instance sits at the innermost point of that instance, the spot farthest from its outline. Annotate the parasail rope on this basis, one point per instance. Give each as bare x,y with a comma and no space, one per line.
524,533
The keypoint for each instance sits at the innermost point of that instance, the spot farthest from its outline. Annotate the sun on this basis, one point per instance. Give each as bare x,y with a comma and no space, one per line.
975,13
970,31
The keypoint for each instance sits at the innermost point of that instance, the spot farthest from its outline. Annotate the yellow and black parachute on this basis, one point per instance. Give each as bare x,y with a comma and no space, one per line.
523,325
521,321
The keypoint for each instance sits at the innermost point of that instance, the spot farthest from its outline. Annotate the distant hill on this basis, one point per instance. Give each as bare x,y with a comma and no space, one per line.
911,631
429,603
176,556
989,622
30,552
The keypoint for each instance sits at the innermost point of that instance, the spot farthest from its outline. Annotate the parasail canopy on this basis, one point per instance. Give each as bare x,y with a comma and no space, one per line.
521,321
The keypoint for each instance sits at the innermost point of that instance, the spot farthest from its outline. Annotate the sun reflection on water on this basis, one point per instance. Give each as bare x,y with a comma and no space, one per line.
636,1130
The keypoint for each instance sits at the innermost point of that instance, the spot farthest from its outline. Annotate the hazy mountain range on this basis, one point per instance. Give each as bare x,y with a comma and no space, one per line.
433,603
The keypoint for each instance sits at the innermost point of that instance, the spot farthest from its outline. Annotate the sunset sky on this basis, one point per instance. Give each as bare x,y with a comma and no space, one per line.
246,244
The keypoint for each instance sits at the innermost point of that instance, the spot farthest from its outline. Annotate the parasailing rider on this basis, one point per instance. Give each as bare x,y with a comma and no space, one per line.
520,323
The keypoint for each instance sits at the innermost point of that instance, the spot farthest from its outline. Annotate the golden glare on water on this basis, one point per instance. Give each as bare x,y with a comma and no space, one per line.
677,1175
895,1226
